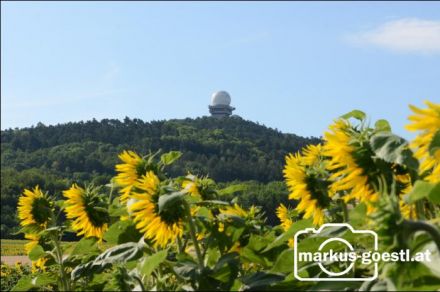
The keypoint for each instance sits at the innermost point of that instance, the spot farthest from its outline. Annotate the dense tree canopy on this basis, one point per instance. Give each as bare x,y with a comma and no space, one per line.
226,150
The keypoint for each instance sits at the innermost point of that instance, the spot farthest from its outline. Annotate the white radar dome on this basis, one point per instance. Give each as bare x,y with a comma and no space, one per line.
220,98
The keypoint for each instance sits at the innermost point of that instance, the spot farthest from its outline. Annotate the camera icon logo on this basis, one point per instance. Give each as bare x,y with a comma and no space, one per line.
332,248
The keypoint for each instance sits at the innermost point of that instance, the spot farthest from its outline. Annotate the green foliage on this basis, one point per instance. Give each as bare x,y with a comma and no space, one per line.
435,143
260,280
86,246
393,149
382,126
35,282
10,275
122,253
356,114
36,253
267,196
305,223
54,157
121,232
190,233
150,263
170,201
423,190
170,157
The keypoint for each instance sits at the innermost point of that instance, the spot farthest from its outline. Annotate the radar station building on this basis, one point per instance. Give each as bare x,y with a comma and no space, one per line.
220,105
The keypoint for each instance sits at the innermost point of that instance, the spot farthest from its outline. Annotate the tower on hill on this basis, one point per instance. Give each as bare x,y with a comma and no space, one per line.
220,105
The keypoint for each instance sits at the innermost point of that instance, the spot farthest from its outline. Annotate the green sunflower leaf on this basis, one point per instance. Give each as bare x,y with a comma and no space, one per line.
116,209
423,189
356,114
122,232
24,284
122,253
168,201
85,246
100,209
36,253
150,263
260,281
382,126
393,149
290,233
44,280
435,143
337,286
226,269
60,204
284,262
186,269
29,229
170,157
357,215
232,189
212,203
27,283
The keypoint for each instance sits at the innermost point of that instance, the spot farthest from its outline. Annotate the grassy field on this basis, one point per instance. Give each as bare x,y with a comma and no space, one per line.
15,247
12,247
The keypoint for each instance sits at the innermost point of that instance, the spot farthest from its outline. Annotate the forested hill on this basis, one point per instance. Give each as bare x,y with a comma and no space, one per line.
55,156
226,149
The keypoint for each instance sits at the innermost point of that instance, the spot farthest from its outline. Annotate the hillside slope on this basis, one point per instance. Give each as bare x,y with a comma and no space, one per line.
55,156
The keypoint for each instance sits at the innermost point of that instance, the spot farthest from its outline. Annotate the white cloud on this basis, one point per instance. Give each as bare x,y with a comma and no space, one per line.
408,35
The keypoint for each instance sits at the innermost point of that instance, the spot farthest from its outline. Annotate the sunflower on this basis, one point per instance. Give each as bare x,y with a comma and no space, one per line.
428,122
34,238
284,216
345,156
34,208
201,188
161,228
312,154
307,182
87,211
19,266
236,210
283,213
39,265
129,172
408,210
404,186
191,187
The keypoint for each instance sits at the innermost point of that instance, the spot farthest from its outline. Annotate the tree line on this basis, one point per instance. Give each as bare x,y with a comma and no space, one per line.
227,150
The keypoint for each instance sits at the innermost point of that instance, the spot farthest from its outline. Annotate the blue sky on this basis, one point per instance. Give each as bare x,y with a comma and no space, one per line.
293,66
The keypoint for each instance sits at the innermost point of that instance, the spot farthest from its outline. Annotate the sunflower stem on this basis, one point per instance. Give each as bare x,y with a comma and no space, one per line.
413,226
59,254
192,232
179,244
110,197
344,210
431,209
419,211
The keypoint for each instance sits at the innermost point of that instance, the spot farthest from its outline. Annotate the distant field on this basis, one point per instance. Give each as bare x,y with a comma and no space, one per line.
12,247
15,247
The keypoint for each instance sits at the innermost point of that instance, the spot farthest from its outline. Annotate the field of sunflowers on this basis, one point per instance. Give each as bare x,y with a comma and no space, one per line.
147,231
